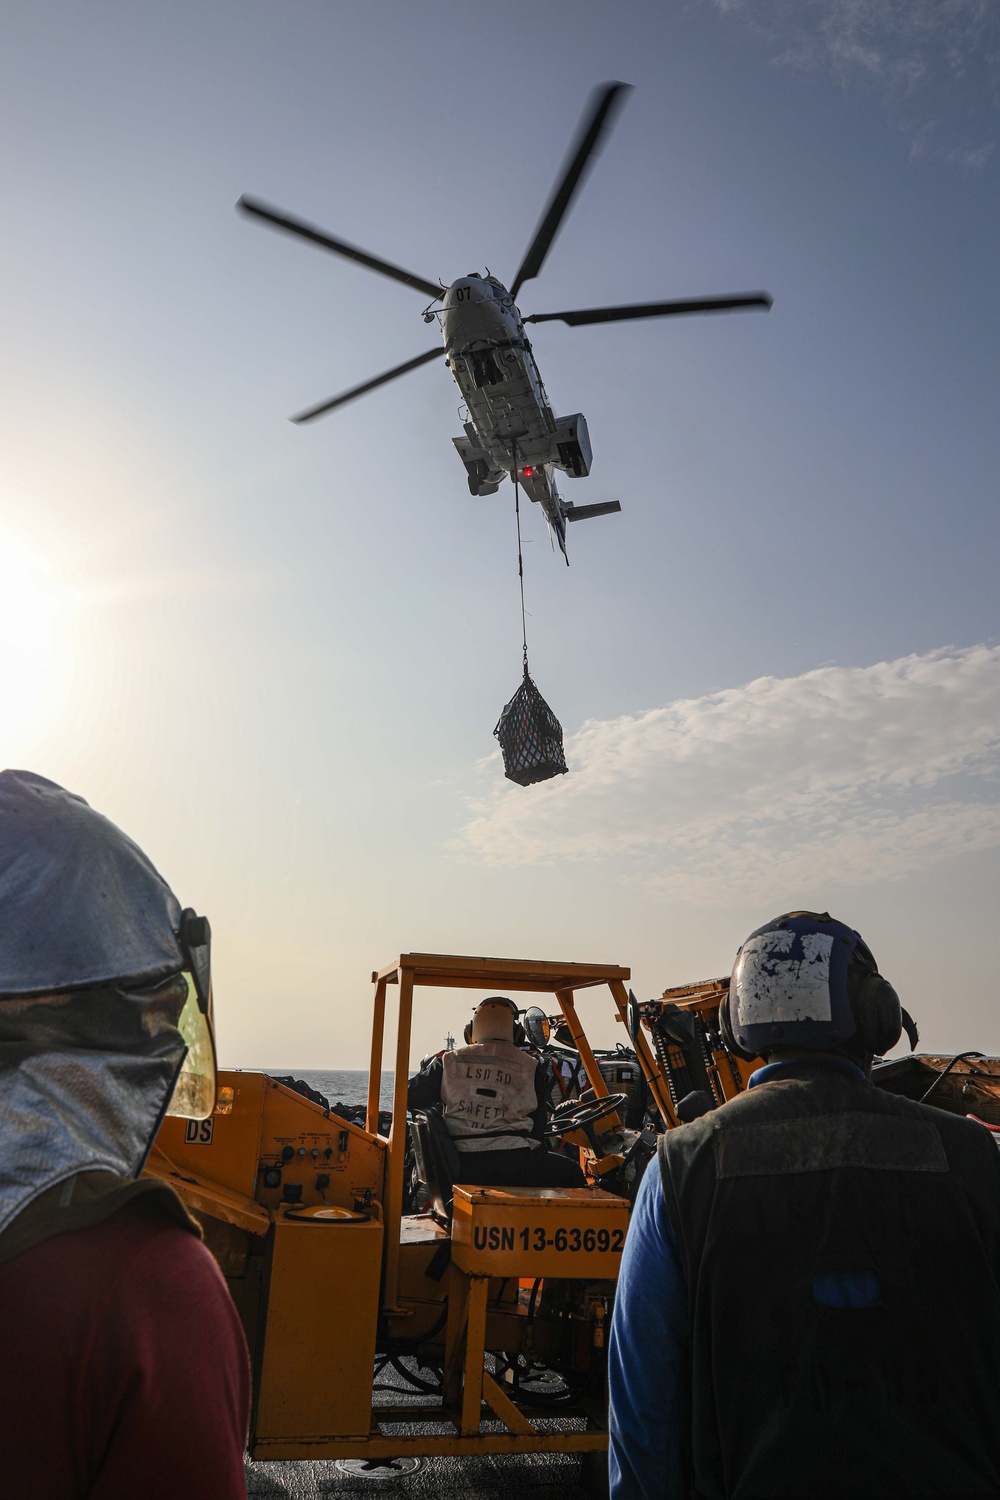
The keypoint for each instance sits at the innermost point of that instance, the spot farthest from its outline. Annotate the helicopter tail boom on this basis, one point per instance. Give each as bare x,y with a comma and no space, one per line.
539,485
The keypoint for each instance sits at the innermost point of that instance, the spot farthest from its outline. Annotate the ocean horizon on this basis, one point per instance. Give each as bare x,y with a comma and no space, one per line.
339,1085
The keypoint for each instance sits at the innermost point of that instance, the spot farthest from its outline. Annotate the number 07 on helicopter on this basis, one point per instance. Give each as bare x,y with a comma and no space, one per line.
511,428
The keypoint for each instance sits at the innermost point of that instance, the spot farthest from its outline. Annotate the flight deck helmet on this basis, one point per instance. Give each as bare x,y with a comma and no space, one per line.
807,981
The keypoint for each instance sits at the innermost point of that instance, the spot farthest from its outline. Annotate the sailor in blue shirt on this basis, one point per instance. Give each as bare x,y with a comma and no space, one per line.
809,1296
649,1378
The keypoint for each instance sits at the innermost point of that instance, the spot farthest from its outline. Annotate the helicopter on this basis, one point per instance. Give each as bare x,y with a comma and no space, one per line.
511,428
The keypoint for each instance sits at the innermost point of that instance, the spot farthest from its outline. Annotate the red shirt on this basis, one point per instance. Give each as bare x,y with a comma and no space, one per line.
123,1367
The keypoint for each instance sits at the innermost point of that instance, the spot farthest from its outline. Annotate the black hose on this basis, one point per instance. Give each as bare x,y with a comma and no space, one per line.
959,1057
574,1389
412,1346
416,1381
418,1385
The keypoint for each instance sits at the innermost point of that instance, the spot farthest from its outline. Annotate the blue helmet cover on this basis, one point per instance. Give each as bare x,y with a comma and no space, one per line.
80,903
789,985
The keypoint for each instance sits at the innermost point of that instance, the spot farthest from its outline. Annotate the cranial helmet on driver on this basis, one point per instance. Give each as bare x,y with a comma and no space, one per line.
806,981
495,1020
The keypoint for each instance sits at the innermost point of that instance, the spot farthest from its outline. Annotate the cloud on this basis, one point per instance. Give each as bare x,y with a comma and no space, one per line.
936,63
852,774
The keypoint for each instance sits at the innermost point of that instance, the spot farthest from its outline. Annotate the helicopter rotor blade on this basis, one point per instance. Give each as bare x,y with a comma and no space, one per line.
673,309
369,385
288,222
597,119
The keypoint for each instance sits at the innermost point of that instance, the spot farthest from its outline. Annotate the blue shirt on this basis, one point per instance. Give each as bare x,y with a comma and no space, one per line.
649,1373
648,1367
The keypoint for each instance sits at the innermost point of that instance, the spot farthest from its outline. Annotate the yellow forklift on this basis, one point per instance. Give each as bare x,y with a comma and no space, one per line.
477,1324
464,1328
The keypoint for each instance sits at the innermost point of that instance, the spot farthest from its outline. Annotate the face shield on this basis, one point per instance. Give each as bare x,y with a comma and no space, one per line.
86,1076
194,1093
105,996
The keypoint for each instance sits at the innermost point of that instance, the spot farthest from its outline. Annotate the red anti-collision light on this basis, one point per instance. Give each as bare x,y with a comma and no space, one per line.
527,473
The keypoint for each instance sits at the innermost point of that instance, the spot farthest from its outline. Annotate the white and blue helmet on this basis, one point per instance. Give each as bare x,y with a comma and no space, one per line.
807,981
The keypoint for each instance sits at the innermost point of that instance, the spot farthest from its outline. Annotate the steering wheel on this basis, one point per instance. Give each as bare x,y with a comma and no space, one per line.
577,1114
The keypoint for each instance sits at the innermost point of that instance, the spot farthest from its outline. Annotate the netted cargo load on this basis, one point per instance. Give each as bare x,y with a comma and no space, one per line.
531,737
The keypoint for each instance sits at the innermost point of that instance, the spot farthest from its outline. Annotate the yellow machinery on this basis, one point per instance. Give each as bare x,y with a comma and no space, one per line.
682,1046
506,1304
503,1310
304,1213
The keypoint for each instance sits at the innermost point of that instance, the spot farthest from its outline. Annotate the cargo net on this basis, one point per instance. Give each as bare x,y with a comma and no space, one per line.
531,737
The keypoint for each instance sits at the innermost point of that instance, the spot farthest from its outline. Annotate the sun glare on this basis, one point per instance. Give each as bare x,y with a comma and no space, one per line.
29,606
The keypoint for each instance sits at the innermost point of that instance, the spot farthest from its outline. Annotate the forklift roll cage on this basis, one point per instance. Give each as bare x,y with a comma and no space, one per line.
303,1210
412,971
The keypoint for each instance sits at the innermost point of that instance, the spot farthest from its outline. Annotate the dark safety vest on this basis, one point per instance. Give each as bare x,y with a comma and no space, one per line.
807,1182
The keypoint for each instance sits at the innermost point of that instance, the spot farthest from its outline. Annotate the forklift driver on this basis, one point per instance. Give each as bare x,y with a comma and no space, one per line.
493,1098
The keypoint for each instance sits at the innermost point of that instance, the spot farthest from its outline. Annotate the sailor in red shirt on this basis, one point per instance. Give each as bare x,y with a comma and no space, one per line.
123,1367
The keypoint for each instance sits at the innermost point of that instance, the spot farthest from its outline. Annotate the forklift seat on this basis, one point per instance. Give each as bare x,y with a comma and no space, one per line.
437,1158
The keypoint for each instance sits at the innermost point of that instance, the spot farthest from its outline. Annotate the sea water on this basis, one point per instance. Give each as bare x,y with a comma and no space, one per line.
344,1085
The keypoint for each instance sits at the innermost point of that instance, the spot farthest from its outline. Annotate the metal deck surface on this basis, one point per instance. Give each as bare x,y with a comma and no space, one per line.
545,1476
488,1478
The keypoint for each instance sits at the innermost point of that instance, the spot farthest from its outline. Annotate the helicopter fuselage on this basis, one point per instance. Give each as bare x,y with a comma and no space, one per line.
510,425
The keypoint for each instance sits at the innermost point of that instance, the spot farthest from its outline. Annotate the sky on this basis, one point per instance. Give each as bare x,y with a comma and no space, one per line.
275,655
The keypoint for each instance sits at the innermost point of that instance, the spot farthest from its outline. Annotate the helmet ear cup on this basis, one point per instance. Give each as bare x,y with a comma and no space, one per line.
467,1034
877,1014
728,1035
